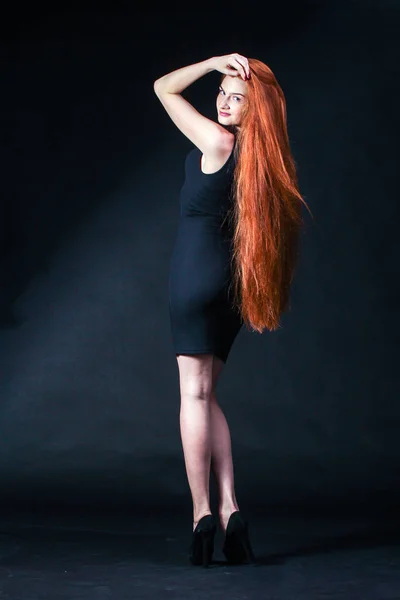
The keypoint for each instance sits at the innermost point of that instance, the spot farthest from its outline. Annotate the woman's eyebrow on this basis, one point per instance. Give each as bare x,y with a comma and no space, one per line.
234,93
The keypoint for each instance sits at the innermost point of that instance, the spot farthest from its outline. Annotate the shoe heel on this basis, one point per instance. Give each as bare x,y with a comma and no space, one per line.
237,547
208,547
245,542
202,546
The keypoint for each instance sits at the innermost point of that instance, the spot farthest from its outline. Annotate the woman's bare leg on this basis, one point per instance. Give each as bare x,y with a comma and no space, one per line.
205,436
195,379
221,459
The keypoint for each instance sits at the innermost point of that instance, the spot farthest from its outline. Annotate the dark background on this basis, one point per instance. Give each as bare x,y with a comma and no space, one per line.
91,172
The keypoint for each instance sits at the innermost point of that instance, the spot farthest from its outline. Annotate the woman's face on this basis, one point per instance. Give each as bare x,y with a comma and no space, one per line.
231,100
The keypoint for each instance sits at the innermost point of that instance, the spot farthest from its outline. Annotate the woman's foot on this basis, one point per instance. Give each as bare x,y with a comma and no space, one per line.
224,515
202,546
195,523
237,547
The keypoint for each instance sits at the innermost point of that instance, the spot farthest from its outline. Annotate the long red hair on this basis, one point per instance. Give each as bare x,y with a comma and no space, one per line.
266,215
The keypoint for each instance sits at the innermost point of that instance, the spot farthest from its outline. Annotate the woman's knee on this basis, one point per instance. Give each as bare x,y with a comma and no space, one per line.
196,376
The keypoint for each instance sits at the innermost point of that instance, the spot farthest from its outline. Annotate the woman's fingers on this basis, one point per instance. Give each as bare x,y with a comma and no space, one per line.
243,65
234,64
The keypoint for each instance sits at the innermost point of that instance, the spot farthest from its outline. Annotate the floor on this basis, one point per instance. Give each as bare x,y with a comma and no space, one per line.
117,556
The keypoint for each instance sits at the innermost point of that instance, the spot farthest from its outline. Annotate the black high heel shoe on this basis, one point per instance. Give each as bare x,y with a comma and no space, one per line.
237,547
202,546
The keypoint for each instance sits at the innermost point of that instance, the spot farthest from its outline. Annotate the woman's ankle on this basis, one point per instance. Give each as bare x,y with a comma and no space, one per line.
225,512
200,514
227,508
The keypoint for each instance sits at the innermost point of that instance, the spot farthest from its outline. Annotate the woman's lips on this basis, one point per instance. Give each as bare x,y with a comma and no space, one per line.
223,114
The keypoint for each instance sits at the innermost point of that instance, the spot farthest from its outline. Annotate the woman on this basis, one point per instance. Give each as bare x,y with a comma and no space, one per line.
233,262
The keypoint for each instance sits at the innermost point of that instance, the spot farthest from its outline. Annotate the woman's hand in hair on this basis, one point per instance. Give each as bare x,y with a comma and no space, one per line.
232,64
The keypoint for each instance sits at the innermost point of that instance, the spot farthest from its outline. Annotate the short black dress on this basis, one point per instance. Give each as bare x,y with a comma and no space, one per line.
202,316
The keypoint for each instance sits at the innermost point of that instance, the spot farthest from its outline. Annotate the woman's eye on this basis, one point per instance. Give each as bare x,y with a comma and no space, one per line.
234,97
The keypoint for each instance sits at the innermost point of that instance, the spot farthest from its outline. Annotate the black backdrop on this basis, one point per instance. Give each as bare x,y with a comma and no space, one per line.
91,172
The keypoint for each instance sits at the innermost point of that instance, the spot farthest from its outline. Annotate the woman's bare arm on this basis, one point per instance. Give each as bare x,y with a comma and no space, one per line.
178,80
210,137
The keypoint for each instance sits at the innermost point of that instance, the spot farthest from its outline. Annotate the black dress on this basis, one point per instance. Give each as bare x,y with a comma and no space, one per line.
203,319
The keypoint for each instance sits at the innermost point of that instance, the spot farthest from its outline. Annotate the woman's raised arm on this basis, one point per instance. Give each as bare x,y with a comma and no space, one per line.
210,137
